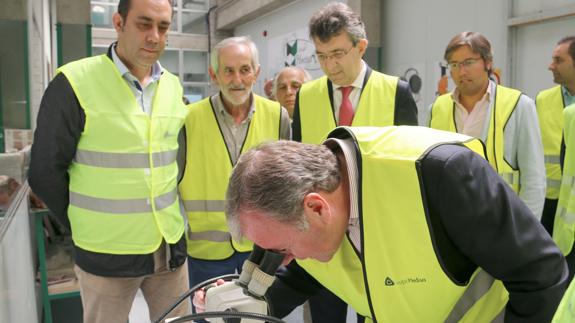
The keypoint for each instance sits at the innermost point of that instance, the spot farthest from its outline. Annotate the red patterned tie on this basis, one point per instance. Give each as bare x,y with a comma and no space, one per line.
345,109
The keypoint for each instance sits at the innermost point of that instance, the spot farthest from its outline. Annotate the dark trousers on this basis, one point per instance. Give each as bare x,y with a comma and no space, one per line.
548,216
326,307
201,270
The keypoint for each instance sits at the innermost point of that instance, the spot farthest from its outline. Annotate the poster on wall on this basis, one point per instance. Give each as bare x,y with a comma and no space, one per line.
292,49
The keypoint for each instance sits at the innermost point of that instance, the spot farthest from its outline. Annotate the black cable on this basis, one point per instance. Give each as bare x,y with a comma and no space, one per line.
193,290
227,315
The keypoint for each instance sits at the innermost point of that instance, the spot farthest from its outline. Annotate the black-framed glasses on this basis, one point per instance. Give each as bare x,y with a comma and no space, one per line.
335,55
466,63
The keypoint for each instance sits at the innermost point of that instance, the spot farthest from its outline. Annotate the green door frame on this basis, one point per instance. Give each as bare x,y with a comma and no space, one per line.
2,147
59,42
27,77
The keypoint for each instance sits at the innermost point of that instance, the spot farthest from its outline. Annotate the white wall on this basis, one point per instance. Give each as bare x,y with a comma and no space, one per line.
526,7
416,32
278,23
534,44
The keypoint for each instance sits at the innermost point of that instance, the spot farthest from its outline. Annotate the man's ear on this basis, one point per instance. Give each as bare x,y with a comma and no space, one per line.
362,46
258,69
213,75
316,208
489,66
118,22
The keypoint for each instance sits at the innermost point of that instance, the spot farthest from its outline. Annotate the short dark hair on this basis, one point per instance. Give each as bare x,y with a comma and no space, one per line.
124,8
571,50
332,20
476,41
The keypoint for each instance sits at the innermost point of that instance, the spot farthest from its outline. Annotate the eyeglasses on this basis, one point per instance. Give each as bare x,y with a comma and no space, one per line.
466,63
335,55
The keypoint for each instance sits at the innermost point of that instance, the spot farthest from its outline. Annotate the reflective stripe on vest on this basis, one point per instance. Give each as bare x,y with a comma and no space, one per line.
204,205
214,236
122,206
479,287
376,106
553,183
550,113
506,99
568,217
390,283
208,167
124,160
123,196
552,159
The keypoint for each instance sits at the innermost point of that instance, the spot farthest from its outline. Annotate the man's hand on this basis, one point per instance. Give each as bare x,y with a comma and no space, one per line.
199,299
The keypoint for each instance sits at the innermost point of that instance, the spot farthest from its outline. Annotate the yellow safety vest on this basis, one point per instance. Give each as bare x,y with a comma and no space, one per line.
443,118
123,197
208,167
550,113
397,277
564,227
376,106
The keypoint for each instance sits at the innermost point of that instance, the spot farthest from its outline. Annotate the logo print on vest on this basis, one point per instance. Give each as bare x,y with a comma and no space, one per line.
389,282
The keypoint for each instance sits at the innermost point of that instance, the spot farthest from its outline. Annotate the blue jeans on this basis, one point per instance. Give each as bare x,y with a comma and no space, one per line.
202,270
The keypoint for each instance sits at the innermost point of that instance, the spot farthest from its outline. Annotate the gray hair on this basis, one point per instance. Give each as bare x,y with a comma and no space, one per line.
275,177
333,19
476,41
306,77
242,40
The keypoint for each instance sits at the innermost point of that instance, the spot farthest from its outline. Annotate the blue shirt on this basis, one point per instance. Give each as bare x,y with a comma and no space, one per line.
144,93
568,99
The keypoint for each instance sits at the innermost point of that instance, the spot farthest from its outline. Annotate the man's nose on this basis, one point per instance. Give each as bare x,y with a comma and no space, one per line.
153,35
330,63
236,78
462,71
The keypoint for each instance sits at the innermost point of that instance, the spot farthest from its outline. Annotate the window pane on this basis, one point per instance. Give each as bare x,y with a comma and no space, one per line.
169,61
194,22
73,42
194,93
102,15
195,66
13,79
195,4
174,24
